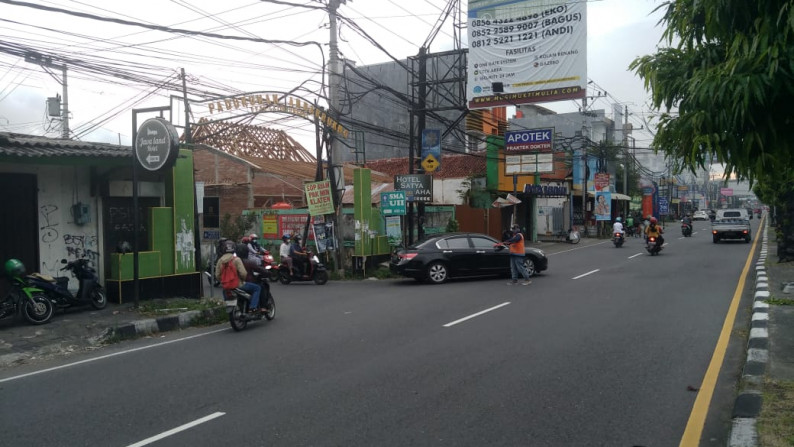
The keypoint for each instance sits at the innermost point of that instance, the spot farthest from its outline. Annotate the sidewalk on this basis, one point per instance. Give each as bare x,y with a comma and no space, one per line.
85,328
770,346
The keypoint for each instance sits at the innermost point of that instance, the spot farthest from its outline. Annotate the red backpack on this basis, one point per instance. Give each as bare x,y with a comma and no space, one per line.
229,278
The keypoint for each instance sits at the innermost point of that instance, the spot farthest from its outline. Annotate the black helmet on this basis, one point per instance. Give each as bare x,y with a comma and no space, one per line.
285,236
242,251
228,246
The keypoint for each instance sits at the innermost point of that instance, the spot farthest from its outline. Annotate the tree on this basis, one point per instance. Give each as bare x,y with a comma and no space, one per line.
237,227
724,90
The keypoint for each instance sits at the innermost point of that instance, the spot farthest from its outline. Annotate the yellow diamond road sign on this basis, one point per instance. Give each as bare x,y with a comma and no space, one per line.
430,164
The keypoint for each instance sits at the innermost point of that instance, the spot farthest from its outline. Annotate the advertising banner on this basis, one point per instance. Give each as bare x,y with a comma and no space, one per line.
318,196
394,231
431,150
603,207
526,51
601,181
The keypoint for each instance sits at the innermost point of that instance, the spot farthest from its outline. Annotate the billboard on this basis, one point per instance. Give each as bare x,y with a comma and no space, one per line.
526,51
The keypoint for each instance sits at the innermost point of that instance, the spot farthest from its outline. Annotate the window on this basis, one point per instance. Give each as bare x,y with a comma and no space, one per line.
481,242
211,214
458,243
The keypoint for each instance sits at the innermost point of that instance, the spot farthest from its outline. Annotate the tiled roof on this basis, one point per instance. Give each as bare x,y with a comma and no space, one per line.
19,145
452,166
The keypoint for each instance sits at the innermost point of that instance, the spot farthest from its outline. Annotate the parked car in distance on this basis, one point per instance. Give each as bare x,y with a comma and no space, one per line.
700,215
438,258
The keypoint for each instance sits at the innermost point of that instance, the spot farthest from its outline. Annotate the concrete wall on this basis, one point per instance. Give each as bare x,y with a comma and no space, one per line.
59,236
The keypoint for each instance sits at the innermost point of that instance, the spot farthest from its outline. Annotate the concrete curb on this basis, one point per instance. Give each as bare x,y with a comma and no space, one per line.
747,406
150,326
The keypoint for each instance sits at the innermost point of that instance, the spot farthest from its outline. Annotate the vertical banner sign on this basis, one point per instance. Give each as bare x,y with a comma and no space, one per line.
318,196
431,150
603,207
601,181
394,230
526,51
392,203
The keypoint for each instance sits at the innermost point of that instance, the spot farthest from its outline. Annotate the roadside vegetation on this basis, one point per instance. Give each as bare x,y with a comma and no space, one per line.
775,424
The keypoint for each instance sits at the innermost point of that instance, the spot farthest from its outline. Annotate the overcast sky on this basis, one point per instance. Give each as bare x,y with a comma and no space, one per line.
100,105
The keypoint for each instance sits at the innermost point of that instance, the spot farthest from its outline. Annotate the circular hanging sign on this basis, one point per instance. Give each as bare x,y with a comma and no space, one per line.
157,144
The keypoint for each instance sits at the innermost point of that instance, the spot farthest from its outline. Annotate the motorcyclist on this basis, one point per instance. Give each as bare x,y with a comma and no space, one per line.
298,255
251,267
654,230
284,251
687,220
229,248
617,227
254,254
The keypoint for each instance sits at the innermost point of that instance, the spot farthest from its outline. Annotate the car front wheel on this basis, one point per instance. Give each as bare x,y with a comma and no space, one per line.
437,273
529,264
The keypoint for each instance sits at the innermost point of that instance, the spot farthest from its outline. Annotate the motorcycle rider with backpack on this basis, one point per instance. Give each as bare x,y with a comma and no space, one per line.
231,272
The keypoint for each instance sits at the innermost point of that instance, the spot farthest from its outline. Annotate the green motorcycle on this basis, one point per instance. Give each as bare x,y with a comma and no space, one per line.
24,299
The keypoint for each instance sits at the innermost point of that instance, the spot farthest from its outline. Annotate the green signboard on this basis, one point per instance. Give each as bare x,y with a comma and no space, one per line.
392,203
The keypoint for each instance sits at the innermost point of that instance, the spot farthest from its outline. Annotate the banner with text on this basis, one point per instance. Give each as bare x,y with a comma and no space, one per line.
318,196
526,51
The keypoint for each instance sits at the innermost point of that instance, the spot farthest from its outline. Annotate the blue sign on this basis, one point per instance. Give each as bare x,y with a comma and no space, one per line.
431,149
212,234
664,206
532,140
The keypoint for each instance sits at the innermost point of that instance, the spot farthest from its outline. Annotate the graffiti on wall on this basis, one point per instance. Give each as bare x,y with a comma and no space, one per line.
184,246
49,220
81,246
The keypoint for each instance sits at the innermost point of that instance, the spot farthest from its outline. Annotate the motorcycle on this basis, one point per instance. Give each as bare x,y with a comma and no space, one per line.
27,300
653,245
686,229
270,264
618,239
237,301
57,289
315,271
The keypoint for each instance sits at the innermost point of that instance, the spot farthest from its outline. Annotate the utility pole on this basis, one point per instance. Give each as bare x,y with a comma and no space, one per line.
421,116
46,62
335,147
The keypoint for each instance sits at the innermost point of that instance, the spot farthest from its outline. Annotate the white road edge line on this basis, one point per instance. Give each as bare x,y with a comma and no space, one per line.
173,431
55,368
585,274
476,315
634,256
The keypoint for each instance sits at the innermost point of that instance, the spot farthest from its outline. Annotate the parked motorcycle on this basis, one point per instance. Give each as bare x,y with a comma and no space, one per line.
653,245
237,301
314,270
686,229
618,239
57,289
23,298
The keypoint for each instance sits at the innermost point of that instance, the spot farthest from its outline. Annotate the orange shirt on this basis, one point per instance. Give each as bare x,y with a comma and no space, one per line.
517,248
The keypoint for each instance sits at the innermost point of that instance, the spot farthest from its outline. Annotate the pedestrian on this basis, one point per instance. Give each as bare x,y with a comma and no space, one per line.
517,255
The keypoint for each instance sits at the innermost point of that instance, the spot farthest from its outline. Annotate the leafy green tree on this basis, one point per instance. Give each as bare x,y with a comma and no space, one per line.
723,85
236,227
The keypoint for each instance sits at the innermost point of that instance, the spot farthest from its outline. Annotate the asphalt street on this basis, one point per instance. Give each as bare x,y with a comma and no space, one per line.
608,347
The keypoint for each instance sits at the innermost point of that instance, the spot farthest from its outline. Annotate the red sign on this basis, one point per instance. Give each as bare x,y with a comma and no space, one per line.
601,181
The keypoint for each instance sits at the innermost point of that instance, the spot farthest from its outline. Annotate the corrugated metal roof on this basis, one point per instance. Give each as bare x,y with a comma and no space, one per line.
19,145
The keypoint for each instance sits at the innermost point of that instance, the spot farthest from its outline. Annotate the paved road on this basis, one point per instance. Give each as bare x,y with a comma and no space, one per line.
604,349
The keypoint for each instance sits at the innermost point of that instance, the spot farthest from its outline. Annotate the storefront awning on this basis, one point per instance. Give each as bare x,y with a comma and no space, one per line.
615,195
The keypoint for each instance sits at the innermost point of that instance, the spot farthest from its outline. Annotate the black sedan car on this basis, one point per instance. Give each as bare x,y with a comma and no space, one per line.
453,255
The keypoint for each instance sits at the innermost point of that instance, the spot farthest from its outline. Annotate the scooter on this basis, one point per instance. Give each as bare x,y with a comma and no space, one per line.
653,245
686,229
618,239
29,301
269,263
315,271
57,289
237,301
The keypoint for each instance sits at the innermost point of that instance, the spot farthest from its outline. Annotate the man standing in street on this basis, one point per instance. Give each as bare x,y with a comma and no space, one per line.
517,255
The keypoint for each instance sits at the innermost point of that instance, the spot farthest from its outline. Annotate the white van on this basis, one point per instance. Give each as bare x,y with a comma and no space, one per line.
732,213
